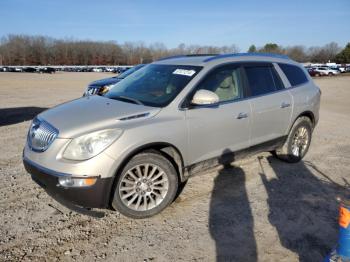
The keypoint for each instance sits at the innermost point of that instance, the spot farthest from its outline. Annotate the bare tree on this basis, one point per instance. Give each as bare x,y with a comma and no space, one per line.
297,53
43,50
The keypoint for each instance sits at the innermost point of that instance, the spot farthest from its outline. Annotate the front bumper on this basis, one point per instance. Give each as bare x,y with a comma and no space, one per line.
95,196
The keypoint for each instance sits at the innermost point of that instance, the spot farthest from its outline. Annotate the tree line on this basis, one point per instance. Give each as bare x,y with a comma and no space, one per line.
42,50
331,52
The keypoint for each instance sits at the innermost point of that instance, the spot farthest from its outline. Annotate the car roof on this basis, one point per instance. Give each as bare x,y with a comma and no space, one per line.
204,60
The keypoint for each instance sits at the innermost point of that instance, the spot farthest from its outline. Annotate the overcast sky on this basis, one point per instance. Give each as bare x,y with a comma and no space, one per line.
218,22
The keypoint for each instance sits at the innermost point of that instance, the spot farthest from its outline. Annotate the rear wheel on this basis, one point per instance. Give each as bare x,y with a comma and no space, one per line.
298,141
147,185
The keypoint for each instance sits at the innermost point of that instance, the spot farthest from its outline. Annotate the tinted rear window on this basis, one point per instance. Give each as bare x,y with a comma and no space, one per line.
262,80
295,74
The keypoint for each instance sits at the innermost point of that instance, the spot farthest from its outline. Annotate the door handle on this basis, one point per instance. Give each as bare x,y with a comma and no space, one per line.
242,115
284,105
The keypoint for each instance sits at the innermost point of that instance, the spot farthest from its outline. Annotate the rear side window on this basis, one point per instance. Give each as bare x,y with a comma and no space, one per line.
263,80
295,74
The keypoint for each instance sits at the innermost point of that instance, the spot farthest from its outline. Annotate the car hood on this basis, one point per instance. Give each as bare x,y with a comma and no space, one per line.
105,81
92,113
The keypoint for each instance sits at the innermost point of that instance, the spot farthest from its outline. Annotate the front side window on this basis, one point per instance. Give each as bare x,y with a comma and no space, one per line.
153,85
295,75
262,79
225,82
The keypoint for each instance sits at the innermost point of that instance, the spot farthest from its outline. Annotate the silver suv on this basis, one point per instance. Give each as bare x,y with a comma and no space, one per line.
133,148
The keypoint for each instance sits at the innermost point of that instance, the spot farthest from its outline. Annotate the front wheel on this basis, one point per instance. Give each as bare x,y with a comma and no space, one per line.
146,185
298,141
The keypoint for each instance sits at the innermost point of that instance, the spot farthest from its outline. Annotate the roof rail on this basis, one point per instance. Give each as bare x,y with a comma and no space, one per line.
188,55
170,57
202,55
246,54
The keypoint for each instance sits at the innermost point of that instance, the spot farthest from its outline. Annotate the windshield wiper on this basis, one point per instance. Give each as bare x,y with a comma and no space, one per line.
133,100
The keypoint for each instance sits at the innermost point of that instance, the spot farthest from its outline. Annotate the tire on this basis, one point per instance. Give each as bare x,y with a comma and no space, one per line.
330,74
294,150
147,185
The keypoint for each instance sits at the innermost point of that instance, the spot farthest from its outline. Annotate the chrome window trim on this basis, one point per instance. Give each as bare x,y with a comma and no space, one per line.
234,101
240,63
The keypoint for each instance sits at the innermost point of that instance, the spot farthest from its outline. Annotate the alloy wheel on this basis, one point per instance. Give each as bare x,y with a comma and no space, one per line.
300,141
143,187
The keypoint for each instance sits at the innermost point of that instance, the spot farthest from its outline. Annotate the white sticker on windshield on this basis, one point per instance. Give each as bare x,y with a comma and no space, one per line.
184,72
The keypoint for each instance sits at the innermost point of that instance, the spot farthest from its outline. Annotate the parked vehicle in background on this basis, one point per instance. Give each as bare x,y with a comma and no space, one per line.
109,69
64,68
131,148
4,69
313,72
96,69
30,70
341,69
102,86
47,70
326,71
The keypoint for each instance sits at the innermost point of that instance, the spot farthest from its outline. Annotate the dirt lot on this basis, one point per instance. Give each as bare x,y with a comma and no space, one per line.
258,209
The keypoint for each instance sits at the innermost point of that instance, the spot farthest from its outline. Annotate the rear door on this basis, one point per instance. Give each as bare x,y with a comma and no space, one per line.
271,103
223,128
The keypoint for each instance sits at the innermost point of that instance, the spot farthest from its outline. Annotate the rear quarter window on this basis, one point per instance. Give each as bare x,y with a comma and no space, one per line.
295,74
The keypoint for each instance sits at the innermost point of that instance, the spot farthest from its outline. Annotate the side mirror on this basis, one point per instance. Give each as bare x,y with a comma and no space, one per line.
205,97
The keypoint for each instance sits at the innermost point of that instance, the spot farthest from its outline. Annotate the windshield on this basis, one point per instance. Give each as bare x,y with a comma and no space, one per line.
129,71
153,85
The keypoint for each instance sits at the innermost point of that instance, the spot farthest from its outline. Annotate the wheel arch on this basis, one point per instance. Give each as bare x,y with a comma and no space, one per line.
169,151
308,114
283,151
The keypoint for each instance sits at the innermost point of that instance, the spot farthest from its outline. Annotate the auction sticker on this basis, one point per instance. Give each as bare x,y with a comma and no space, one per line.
184,72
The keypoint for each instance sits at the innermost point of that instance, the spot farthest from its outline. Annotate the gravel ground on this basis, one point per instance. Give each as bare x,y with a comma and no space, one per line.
257,209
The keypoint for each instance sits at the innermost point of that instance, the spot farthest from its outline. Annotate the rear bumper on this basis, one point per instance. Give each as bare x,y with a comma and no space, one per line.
95,196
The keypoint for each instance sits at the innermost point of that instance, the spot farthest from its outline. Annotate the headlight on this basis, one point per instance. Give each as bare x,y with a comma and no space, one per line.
104,89
90,145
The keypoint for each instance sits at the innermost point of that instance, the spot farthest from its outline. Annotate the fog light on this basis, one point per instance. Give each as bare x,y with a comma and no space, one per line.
77,182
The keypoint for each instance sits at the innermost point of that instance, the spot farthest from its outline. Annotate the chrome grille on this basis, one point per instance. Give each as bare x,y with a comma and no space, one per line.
92,90
41,134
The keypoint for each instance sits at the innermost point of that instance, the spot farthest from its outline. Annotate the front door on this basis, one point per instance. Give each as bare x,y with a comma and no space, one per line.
225,127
